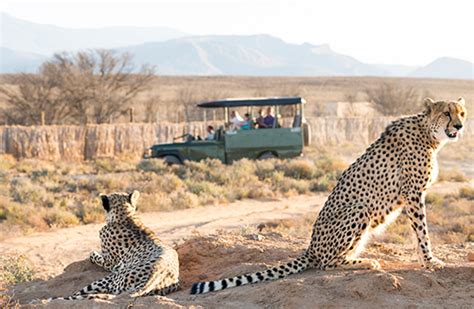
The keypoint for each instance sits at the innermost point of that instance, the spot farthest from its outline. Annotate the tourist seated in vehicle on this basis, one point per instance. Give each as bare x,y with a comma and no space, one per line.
235,121
269,119
259,120
247,123
211,134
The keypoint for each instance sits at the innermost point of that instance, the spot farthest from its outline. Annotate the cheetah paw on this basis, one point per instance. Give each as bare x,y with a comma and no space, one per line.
434,264
375,265
95,257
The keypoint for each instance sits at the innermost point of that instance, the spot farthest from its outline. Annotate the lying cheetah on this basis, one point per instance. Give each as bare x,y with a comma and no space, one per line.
139,263
393,174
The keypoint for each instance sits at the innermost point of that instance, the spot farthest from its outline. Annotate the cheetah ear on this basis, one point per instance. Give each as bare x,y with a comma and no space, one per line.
428,103
461,101
134,197
105,202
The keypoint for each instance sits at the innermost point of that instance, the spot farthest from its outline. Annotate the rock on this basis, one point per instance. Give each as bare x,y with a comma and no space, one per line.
470,256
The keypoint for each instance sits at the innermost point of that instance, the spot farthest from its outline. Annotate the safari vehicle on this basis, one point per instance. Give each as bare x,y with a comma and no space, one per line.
229,145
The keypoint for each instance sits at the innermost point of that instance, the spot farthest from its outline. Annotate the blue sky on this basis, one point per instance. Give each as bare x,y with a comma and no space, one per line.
408,32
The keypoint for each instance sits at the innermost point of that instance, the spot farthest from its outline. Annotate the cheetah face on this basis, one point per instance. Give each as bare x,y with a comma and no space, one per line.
447,118
119,205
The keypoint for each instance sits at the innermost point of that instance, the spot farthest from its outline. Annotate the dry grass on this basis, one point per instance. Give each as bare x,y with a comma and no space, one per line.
38,195
161,101
314,89
453,175
449,218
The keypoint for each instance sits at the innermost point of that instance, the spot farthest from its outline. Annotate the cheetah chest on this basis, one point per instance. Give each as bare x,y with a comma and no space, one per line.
434,171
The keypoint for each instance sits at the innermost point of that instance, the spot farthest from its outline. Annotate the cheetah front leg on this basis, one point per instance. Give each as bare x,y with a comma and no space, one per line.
416,211
100,260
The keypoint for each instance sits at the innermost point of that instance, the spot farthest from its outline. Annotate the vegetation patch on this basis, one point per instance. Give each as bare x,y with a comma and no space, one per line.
15,270
39,195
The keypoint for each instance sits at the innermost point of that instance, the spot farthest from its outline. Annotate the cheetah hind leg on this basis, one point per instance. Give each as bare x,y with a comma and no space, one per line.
96,290
359,221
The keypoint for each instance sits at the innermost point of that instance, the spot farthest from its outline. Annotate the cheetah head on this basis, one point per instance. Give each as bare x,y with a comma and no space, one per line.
446,118
119,205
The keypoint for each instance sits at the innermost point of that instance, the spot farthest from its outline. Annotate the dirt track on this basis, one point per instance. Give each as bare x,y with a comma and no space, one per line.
61,260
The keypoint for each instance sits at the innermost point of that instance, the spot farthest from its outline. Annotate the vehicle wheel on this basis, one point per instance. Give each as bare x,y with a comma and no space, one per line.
170,159
306,134
267,155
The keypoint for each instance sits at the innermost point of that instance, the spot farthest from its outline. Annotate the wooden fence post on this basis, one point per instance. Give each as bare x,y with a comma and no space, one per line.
42,118
130,110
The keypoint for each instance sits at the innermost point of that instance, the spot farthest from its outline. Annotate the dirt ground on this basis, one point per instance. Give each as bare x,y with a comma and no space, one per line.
220,241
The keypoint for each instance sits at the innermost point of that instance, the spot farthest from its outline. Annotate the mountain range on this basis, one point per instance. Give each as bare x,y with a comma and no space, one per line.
25,45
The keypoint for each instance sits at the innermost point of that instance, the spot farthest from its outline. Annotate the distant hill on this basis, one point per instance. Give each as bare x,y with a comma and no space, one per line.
246,55
396,69
12,61
25,36
446,68
24,45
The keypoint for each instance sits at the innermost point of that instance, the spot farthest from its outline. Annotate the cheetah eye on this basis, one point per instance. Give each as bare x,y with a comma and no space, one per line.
446,114
462,114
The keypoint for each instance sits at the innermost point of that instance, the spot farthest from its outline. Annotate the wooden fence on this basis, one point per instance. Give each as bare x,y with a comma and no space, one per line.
76,143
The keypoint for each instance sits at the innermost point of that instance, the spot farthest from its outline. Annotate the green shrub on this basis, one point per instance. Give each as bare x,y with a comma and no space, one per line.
15,269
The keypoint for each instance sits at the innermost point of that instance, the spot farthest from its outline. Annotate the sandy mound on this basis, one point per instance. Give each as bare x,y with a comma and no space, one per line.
216,256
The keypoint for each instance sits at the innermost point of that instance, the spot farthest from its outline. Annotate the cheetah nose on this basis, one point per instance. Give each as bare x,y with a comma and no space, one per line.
458,126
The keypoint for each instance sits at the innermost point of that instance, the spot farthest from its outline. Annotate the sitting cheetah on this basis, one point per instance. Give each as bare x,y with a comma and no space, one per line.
393,174
139,263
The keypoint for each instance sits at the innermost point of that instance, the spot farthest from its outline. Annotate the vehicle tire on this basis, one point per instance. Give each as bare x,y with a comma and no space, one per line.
306,134
170,160
267,155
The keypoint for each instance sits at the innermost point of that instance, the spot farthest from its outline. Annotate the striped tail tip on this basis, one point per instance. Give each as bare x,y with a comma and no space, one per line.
195,288
210,286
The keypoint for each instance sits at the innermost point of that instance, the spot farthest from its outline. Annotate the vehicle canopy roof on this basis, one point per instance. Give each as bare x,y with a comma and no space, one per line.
236,102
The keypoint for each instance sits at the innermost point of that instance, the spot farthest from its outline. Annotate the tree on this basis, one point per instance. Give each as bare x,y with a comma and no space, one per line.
186,99
391,100
95,85
32,95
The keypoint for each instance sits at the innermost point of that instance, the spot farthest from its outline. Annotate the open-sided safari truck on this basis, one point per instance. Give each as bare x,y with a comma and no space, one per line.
275,141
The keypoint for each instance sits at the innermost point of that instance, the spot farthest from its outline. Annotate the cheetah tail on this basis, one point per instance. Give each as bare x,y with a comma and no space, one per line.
295,266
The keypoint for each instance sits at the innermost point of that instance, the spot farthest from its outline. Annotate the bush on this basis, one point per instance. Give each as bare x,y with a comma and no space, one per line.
7,162
301,169
24,191
265,169
434,199
15,270
392,100
113,165
454,175
467,193
157,166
